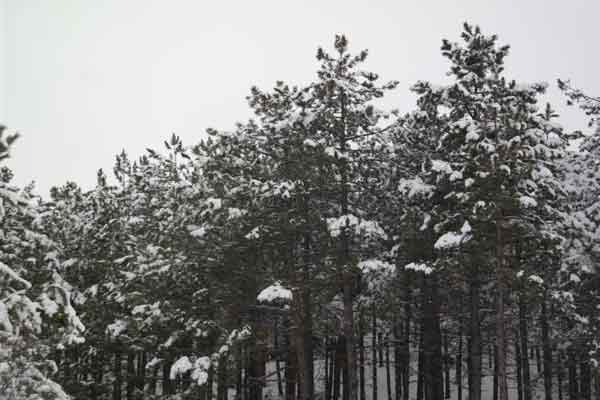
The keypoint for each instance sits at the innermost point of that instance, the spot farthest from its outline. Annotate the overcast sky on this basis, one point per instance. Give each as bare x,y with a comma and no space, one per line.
82,80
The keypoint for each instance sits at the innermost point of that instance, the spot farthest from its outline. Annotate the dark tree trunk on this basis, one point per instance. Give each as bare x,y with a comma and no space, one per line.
560,376
118,378
406,342
447,366
290,370
459,361
327,370
495,389
474,339
420,366
433,383
278,362
130,375
361,354
501,353
547,349
374,351
572,365
222,379
585,380
519,372
524,351
167,384
239,390
380,348
538,360
397,362
388,373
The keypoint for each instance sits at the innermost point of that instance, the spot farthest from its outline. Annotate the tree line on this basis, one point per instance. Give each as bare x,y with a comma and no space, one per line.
320,242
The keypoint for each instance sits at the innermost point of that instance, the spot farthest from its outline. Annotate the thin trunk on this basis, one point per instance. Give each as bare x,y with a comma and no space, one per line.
118,378
560,376
420,366
222,379
388,375
524,351
374,351
474,339
380,348
459,361
340,353
538,360
519,372
573,386
397,362
361,344
500,311
433,368
327,370
547,349
495,384
290,369
585,380
130,375
446,366
406,341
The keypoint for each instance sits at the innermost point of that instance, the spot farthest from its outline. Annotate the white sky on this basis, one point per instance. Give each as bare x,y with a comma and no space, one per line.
83,79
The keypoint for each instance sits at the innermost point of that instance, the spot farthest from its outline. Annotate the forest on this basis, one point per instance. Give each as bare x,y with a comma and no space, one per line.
325,249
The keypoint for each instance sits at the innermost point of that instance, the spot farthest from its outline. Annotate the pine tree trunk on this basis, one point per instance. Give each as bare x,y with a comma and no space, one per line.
374,351
340,354
397,362
222,379
474,339
547,349
560,376
406,341
495,384
500,312
446,366
420,366
459,357
432,341
361,344
388,375
327,369
518,362
130,375
585,380
524,351
290,369
538,360
572,365
117,374
380,348
278,362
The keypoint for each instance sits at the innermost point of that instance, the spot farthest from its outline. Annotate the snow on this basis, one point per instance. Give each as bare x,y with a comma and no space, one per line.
5,269
274,292
369,228
441,166
5,319
116,328
415,187
454,239
527,202
180,367
376,266
536,279
419,268
253,234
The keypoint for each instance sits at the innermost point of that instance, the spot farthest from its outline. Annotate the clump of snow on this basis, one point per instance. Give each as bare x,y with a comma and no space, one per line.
253,234
116,328
415,187
536,279
274,292
527,202
454,239
418,267
359,226
376,266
